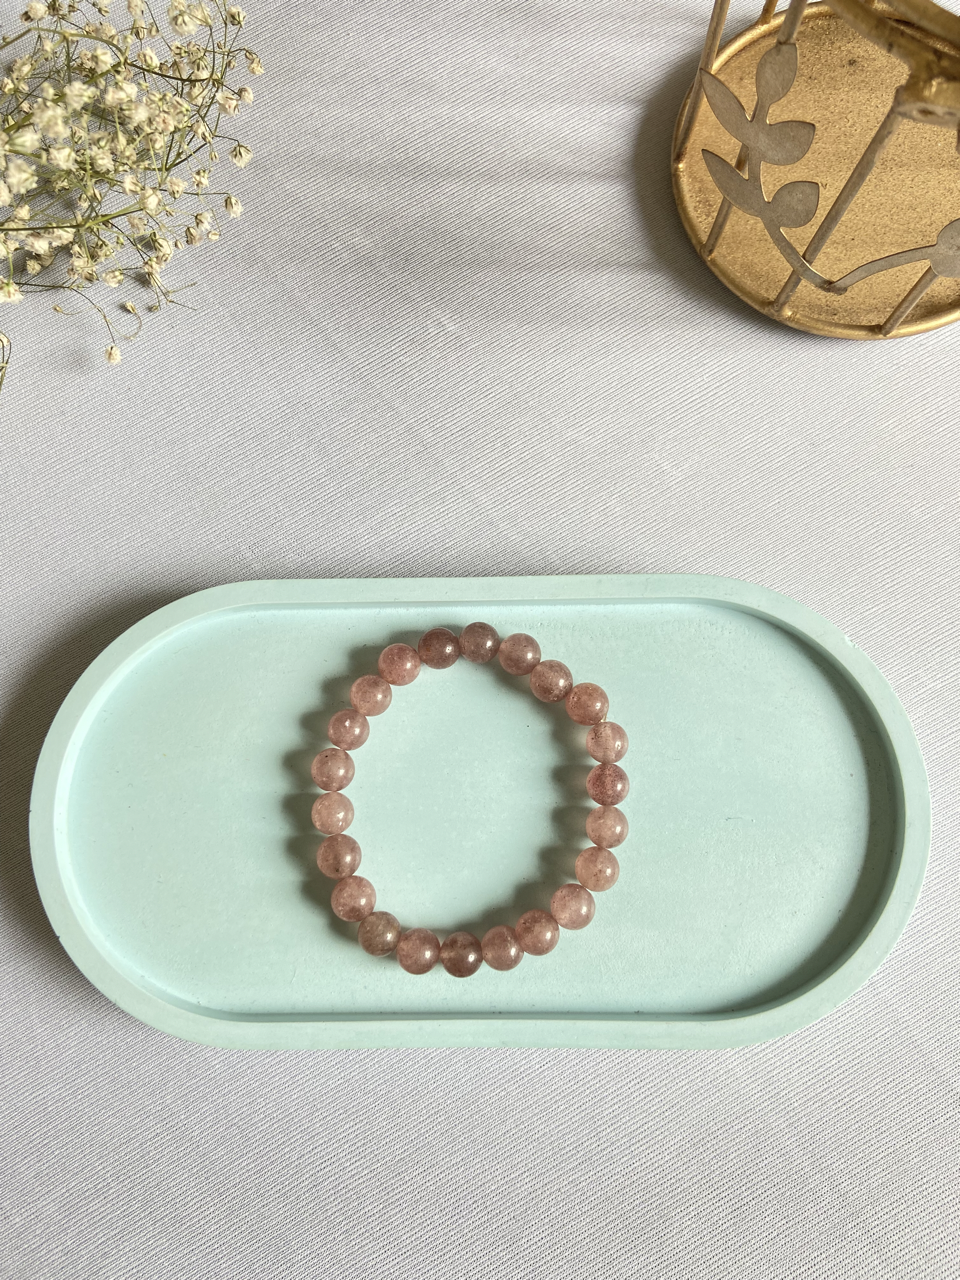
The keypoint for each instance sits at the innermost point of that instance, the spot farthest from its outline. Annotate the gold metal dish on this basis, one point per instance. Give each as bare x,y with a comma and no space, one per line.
815,178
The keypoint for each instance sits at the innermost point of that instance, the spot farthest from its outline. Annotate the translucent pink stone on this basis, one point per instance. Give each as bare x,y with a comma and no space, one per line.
519,654
371,695
607,827
501,947
607,742
479,642
332,813
332,770
572,906
379,933
418,951
399,664
439,648
338,856
597,869
607,784
353,898
537,932
348,729
587,703
461,954
550,681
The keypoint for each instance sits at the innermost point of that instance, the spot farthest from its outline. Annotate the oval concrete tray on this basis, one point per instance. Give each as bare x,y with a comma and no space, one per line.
779,816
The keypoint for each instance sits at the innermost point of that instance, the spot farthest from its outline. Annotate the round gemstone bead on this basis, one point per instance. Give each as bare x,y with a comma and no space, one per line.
338,856
461,954
379,933
332,813
550,681
607,784
607,742
587,703
607,827
439,648
519,654
501,947
348,729
479,642
418,951
597,869
399,664
353,898
572,906
371,695
537,932
332,770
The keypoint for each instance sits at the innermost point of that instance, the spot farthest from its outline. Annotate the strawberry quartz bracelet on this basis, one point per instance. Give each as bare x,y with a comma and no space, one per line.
536,932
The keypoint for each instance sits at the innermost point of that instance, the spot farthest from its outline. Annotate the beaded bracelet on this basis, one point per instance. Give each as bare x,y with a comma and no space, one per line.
536,932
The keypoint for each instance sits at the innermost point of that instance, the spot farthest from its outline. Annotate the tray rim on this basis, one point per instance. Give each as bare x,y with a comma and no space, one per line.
788,1014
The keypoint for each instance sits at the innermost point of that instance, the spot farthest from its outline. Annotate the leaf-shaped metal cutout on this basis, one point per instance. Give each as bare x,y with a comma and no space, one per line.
734,186
795,204
776,72
726,107
945,254
786,142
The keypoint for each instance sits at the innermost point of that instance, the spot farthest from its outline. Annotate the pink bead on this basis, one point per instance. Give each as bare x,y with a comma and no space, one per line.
379,933
348,729
332,770
338,856
572,906
597,869
461,954
537,932
607,742
519,654
371,695
331,813
399,664
439,648
353,898
479,642
607,827
587,703
550,681
418,951
501,947
607,784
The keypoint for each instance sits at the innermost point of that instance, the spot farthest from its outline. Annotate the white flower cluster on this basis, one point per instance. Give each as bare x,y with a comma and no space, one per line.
107,141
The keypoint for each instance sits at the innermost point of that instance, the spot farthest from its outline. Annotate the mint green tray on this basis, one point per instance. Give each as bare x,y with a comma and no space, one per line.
779,816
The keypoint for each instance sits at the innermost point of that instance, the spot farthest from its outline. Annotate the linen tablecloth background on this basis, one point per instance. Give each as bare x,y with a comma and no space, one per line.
459,331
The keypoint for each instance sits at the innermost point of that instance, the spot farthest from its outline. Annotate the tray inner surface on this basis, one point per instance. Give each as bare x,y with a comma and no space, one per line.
764,813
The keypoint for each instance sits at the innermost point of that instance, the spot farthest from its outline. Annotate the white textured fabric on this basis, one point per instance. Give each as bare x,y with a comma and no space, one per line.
459,331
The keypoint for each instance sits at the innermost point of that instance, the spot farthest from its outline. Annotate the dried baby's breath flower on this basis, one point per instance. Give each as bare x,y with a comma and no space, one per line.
101,131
